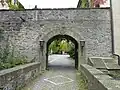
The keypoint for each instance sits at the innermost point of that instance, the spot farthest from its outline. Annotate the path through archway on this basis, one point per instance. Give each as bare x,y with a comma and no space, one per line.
67,37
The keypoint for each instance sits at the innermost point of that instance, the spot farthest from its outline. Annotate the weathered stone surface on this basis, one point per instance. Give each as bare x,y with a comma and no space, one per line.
97,80
17,77
97,62
116,25
26,28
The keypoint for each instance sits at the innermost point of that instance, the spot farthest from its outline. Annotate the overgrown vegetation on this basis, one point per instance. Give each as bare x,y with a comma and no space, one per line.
62,46
91,3
72,52
15,6
8,56
8,59
82,81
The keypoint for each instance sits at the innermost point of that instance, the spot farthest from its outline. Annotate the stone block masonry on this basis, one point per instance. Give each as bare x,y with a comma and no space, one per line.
17,77
26,28
98,80
116,25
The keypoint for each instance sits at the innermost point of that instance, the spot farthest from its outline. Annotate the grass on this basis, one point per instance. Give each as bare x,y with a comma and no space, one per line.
82,82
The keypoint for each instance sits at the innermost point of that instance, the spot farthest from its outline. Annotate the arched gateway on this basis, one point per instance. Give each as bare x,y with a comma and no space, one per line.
68,38
63,33
31,31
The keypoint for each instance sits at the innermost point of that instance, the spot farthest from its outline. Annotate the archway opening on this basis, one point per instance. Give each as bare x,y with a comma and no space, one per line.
60,49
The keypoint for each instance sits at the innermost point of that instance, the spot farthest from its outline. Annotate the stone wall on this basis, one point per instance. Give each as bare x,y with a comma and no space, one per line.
26,28
97,80
17,77
116,25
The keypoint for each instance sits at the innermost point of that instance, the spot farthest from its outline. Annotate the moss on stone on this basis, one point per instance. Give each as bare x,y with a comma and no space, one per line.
82,81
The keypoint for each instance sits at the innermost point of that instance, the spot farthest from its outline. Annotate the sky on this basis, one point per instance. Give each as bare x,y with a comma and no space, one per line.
29,4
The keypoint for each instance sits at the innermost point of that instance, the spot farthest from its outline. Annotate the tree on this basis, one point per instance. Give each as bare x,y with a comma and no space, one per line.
97,3
64,46
61,46
90,3
15,6
54,46
83,4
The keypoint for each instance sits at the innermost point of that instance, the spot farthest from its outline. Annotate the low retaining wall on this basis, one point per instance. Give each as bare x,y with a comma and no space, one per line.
97,80
17,77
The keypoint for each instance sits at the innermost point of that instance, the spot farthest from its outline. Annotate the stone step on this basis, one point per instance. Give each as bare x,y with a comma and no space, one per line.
103,63
97,62
112,66
109,60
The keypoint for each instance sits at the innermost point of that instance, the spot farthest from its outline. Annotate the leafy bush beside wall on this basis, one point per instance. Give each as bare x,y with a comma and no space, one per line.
8,59
8,56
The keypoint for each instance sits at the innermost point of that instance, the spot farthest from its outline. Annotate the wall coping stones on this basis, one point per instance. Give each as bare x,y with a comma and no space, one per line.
112,66
6,71
56,9
17,77
26,28
97,62
103,63
97,80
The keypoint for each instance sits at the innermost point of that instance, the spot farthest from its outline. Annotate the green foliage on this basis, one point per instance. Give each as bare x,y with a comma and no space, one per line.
72,52
85,4
17,6
82,81
62,45
21,7
54,46
9,60
58,46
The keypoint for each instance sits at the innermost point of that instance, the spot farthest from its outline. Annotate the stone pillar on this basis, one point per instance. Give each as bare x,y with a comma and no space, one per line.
115,4
42,54
82,52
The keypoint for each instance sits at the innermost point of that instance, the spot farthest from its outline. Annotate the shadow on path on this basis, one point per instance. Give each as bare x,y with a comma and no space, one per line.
58,77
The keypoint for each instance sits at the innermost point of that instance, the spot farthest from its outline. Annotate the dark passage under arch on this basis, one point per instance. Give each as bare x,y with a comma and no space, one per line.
68,38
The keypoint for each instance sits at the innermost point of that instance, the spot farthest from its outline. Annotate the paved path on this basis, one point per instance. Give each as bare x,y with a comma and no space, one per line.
61,75
60,60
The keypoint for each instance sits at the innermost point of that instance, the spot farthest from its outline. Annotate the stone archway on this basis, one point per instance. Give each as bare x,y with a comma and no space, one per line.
68,38
74,36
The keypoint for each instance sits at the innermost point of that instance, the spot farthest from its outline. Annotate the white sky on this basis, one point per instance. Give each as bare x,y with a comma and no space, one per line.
28,4
49,3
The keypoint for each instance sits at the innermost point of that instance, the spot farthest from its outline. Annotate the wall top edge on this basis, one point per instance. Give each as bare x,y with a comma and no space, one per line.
57,9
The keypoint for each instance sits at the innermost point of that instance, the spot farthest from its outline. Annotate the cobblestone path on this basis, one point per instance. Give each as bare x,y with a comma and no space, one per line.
56,78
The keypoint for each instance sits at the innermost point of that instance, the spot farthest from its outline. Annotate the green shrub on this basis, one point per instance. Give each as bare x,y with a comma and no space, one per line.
72,53
60,45
9,60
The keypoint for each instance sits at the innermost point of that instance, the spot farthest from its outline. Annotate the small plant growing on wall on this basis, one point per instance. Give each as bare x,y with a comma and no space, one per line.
9,60
9,57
